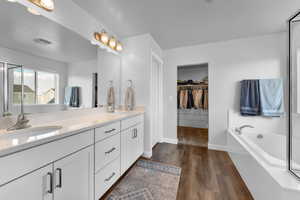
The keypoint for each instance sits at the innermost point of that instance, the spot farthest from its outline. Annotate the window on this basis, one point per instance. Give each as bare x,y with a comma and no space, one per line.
39,87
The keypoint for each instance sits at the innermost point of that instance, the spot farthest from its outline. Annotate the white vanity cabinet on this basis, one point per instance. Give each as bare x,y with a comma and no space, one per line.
33,186
81,166
132,141
68,173
73,176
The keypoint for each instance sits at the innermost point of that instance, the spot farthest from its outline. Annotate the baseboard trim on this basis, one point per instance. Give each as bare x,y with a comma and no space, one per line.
147,154
171,141
217,147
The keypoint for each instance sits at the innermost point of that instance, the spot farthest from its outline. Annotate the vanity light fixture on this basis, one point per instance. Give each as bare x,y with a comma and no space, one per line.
103,40
112,42
119,46
104,37
47,5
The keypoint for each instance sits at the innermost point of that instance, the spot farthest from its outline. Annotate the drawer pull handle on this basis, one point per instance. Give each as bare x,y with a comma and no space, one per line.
110,177
111,150
59,185
111,130
50,191
134,133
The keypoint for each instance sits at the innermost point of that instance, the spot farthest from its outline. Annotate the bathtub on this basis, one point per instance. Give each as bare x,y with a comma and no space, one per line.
260,159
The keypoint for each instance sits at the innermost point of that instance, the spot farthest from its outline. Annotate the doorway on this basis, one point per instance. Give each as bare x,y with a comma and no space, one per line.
192,104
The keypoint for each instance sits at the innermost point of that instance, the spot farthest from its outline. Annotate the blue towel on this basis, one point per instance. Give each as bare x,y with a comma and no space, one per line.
271,97
250,98
68,93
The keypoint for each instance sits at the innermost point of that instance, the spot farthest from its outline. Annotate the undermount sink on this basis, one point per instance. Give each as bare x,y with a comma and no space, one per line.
35,131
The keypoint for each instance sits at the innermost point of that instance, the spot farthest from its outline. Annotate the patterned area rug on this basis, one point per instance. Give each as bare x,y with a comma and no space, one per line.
148,180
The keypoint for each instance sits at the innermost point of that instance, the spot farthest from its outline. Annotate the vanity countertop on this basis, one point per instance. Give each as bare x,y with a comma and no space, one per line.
15,141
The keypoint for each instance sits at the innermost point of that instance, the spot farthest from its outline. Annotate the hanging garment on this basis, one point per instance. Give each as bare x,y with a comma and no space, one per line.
271,97
205,100
129,99
178,98
183,99
250,98
190,100
200,98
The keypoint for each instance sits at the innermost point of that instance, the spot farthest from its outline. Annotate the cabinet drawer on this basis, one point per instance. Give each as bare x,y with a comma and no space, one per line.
105,178
18,164
106,151
106,131
127,123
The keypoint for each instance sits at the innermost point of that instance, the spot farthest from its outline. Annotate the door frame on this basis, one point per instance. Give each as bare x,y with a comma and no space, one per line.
159,119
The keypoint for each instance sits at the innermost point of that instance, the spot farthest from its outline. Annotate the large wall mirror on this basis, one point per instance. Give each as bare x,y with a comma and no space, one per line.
60,68
294,90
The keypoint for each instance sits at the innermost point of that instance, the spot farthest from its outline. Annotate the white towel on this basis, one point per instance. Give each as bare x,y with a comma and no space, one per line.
111,96
129,99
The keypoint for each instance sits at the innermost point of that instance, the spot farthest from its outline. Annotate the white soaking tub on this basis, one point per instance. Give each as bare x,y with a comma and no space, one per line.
261,161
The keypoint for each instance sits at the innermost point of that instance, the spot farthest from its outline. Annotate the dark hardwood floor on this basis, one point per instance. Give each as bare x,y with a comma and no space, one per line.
206,174
192,136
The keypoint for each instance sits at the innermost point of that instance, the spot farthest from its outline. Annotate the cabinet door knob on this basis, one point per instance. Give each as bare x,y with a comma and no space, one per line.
50,191
59,185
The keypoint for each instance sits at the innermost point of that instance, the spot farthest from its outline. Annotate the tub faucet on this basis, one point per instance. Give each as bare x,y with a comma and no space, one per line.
239,129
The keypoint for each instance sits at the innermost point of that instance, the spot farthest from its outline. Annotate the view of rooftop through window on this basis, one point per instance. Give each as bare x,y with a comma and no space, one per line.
39,87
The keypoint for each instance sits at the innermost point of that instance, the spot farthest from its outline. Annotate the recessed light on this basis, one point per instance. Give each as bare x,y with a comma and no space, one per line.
42,41
33,11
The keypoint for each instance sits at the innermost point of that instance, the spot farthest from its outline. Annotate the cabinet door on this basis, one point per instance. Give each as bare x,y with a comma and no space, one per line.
34,186
129,148
73,176
140,135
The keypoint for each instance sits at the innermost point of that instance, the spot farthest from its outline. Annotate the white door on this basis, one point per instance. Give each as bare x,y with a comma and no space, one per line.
156,99
34,186
73,176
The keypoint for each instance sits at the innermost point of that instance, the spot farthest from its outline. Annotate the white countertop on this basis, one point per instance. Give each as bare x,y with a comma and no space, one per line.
14,141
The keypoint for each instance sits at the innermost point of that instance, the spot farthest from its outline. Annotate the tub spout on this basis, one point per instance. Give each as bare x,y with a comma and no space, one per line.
239,129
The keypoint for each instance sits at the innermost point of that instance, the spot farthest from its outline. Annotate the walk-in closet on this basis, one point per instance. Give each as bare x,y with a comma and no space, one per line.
192,104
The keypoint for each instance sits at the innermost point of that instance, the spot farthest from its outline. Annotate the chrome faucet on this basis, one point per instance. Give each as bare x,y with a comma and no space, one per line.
239,129
22,123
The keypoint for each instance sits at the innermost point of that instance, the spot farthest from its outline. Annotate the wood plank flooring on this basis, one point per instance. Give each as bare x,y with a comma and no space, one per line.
206,174
192,136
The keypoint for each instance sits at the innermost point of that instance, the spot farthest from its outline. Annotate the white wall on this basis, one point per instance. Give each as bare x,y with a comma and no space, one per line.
109,69
81,74
229,62
136,66
196,73
37,63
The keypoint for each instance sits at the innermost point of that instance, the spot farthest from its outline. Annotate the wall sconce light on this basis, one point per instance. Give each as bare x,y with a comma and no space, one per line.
47,5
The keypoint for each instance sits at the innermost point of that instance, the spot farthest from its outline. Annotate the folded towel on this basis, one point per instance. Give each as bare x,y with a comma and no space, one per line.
111,96
271,97
68,93
129,99
75,97
250,98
